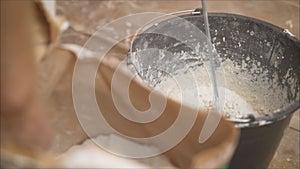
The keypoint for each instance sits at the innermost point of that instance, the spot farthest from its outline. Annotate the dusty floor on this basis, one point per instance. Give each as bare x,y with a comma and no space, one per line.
86,16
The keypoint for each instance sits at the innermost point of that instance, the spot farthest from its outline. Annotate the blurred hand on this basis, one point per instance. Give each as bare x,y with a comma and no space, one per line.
23,122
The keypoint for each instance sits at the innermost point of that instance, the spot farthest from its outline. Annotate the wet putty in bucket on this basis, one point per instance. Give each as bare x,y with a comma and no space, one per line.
247,89
232,105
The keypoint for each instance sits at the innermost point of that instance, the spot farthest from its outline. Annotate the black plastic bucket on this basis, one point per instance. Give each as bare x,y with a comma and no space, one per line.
260,137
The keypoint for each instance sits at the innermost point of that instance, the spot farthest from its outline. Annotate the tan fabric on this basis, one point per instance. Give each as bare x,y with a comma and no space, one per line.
189,153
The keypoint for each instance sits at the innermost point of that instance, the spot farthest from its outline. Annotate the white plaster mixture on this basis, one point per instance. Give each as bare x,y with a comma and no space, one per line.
201,94
242,90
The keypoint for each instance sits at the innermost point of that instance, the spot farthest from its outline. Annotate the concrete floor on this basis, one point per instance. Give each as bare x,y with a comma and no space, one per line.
86,16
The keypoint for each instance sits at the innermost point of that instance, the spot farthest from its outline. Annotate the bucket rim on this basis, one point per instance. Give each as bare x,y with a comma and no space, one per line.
271,25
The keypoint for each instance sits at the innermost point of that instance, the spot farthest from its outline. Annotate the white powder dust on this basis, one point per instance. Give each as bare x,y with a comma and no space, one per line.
90,155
